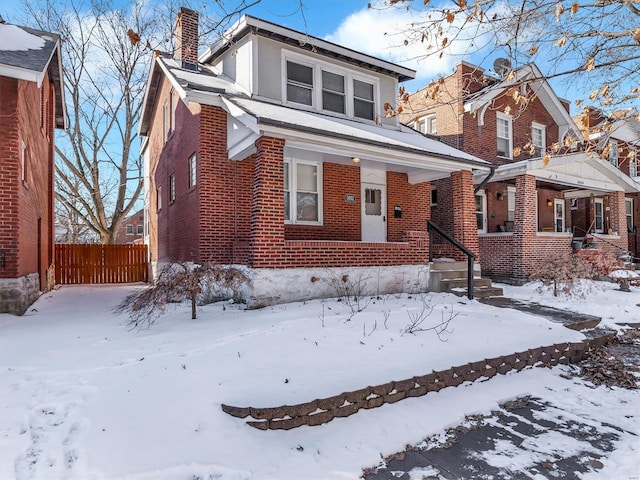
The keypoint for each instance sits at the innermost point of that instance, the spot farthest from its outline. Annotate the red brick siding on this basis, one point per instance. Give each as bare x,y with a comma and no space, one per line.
414,200
497,254
341,220
465,226
186,46
524,225
23,203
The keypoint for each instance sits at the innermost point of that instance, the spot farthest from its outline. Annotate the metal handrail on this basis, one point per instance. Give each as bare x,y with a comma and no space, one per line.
470,255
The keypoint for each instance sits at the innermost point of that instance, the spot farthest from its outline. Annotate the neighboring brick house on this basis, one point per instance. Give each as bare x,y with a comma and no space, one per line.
132,229
31,107
524,210
615,138
272,150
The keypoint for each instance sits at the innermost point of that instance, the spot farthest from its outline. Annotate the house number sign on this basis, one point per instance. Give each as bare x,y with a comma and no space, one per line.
350,198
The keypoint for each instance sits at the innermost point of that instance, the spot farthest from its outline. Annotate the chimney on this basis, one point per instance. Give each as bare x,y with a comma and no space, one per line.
186,49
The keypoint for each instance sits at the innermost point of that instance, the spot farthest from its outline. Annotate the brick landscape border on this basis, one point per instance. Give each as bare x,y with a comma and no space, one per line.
323,410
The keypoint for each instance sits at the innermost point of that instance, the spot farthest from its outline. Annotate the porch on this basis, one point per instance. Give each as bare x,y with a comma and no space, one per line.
532,210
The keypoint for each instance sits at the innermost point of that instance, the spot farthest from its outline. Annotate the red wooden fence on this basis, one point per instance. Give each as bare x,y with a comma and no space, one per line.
96,263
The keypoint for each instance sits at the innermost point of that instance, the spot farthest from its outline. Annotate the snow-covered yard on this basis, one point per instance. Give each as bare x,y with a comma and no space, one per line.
83,397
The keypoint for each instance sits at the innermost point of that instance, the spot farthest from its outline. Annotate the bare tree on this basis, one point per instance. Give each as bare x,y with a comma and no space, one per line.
98,167
182,281
595,44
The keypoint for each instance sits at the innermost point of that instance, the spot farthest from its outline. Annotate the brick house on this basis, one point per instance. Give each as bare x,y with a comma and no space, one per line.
272,150
31,107
616,138
132,228
525,210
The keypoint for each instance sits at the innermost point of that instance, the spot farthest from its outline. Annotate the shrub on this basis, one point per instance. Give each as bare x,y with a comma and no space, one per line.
562,272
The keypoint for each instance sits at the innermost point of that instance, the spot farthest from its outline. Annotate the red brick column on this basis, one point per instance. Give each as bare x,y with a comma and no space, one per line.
525,226
465,225
618,217
267,212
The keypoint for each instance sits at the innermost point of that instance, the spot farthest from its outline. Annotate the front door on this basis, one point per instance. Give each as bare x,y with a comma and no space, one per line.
374,212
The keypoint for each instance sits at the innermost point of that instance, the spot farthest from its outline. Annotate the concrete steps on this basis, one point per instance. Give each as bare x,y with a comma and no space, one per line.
451,276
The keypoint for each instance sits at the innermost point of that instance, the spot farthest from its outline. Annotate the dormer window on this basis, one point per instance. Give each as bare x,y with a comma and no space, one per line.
333,92
299,83
363,103
314,84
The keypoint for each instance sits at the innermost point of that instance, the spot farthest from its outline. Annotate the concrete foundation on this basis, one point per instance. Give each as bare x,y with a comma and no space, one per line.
16,294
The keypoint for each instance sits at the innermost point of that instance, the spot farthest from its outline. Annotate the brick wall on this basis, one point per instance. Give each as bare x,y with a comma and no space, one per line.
465,225
497,253
186,46
26,206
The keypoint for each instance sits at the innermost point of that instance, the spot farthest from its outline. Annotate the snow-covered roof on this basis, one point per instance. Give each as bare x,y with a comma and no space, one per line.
583,172
398,145
248,24
28,54
530,75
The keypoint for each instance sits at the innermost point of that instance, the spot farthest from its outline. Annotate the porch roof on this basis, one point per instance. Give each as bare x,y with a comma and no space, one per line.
581,174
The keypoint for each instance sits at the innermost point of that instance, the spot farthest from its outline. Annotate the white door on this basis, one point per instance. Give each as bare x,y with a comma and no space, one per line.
374,212
558,207
481,211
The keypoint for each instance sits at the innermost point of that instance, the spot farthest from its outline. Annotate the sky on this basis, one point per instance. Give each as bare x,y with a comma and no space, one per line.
352,24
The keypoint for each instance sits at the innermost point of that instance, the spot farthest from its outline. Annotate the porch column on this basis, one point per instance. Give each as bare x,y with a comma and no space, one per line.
465,225
525,226
267,208
618,217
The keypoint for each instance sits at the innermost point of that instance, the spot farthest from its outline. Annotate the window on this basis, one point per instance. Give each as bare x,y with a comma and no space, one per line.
299,83
192,171
363,103
23,162
598,215
613,153
172,109
172,187
129,229
503,128
166,120
434,196
333,92
159,198
481,208
538,140
139,229
372,201
427,125
511,203
628,210
558,207
302,192
633,162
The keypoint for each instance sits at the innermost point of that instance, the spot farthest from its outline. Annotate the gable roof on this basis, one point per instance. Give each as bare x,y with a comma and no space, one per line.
28,54
248,24
530,75
622,125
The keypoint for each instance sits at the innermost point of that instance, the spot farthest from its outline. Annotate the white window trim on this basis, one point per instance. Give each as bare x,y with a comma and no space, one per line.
127,229
172,110
509,119
559,201
316,95
633,162
543,129
172,188
613,153
193,171
139,229
293,188
483,210
159,198
423,123
629,201
511,193
166,120
600,202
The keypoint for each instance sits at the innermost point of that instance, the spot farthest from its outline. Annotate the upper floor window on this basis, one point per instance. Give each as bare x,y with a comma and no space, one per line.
328,87
129,229
139,229
192,171
427,125
302,192
504,135
613,153
299,83
538,140
159,198
166,120
172,187
24,161
633,162
363,102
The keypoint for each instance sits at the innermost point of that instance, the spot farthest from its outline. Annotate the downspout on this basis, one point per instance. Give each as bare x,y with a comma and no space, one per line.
485,180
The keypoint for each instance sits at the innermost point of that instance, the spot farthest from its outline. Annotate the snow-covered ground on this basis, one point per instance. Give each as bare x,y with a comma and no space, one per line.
83,397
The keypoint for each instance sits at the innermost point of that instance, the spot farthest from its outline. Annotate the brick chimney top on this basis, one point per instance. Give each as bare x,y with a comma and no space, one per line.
186,30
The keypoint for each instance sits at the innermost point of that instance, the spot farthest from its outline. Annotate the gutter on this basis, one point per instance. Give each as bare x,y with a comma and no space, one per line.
486,179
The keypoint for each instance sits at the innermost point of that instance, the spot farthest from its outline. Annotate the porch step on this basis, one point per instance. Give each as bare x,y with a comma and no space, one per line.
480,292
451,276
